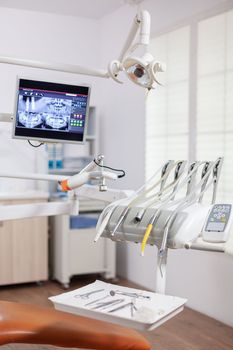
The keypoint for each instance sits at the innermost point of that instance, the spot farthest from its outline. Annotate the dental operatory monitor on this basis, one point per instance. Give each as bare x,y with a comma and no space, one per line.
49,111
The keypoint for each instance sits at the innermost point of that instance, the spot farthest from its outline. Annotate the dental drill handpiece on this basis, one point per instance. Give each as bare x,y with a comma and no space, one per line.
188,200
167,202
204,171
216,174
153,199
126,210
192,179
107,212
164,176
178,172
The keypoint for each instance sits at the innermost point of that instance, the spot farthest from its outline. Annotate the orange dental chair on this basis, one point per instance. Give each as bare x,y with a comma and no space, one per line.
24,323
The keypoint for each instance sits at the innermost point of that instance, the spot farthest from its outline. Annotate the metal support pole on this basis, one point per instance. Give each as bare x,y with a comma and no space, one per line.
161,273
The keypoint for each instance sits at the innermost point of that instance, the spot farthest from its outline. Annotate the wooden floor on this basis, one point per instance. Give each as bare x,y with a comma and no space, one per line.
189,330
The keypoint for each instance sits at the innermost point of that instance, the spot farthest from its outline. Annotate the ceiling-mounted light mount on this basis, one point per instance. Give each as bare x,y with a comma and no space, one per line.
139,69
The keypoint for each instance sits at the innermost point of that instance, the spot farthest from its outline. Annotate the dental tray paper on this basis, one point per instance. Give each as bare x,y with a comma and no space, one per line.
128,307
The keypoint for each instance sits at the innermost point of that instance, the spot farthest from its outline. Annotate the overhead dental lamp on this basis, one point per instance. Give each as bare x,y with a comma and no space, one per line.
140,69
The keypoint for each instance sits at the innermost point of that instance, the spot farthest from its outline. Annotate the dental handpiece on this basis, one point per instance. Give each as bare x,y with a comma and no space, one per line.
166,170
216,174
190,199
107,212
192,179
178,172
153,199
166,203
134,201
204,171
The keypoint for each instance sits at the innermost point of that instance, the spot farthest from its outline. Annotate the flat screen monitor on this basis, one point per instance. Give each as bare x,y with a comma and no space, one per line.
49,111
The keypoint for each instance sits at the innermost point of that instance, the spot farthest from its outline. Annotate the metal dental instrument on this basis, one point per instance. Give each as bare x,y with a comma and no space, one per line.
124,213
105,305
96,301
123,307
164,205
86,295
216,174
164,175
192,179
204,171
129,294
153,199
178,172
190,199
126,210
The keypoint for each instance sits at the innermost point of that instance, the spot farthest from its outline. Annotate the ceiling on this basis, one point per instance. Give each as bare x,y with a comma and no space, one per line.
93,9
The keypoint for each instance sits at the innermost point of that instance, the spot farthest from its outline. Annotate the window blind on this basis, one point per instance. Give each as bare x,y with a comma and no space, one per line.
167,105
215,95
169,135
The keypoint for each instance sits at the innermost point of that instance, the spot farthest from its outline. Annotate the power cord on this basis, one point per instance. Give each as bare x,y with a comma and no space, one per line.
35,146
113,169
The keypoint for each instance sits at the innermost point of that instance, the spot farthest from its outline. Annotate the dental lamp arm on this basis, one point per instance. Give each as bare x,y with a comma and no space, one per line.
142,21
59,67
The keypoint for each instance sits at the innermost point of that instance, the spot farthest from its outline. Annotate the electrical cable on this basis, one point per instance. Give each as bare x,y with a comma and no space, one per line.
35,146
113,169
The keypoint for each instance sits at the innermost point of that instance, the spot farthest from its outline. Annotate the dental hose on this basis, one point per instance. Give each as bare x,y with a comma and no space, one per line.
192,197
169,167
107,212
131,200
167,203
134,199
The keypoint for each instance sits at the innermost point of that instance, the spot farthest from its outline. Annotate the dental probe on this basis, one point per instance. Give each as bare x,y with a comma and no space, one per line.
188,201
165,204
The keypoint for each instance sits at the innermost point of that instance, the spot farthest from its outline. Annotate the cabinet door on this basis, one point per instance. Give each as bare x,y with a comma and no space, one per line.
30,250
85,256
23,249
6,253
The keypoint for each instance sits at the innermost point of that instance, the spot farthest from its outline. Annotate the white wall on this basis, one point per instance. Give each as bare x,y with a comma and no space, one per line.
42,37
204,278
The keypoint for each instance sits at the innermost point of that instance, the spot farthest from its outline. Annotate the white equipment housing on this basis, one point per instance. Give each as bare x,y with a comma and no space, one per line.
186,227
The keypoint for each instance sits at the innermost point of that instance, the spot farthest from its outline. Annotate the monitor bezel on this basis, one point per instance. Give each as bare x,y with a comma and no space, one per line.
50,140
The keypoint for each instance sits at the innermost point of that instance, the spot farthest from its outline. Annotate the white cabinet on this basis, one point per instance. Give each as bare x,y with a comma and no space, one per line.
23,248
73,251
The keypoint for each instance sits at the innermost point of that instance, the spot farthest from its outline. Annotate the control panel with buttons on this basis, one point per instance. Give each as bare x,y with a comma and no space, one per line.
218,223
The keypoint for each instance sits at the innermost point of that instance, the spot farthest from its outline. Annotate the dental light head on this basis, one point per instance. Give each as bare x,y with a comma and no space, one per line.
140,69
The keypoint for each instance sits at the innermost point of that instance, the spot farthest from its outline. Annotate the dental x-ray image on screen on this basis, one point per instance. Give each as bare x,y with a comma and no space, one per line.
51,111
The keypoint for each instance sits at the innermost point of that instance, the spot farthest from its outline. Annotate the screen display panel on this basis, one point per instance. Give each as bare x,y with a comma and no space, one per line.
51,111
